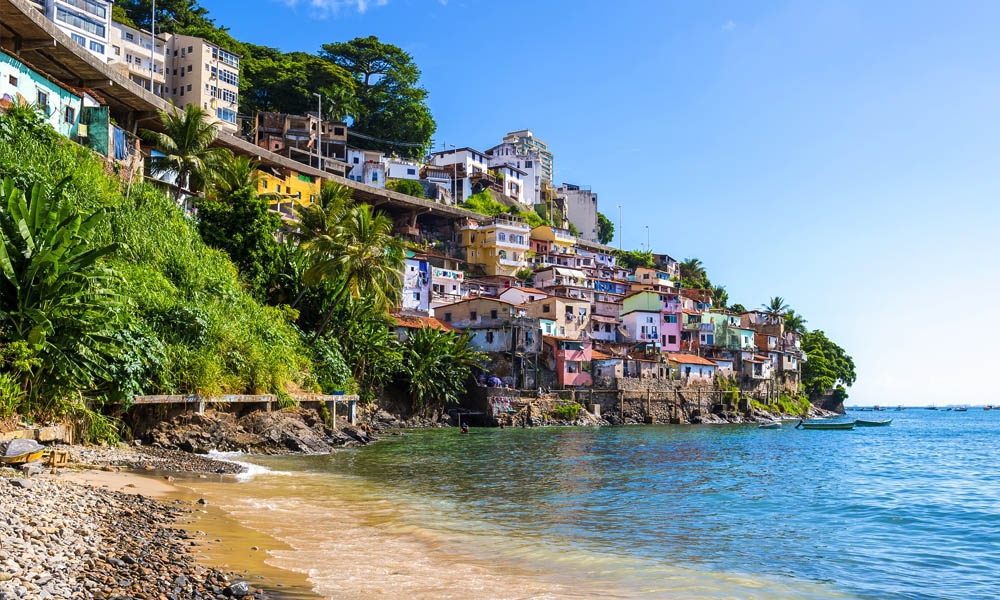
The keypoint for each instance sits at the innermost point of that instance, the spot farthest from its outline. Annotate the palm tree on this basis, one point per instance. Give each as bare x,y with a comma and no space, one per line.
795,322
436,364
720,297
775,308
322,218
186,144
235,173
692,272
361,257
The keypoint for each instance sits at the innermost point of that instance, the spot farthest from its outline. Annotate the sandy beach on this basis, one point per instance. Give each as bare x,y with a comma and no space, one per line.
106,533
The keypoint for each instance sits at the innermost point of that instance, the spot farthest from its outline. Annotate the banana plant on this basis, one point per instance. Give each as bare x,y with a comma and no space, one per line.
54,293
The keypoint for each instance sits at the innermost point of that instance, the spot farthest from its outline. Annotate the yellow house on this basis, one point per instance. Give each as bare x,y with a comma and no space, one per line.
286,184
500,245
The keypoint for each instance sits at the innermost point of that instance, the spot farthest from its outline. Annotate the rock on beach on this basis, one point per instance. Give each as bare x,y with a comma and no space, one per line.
68,540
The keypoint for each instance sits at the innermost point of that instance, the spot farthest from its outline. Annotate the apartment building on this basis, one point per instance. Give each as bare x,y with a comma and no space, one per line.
199,72
87,22
526,142
131,51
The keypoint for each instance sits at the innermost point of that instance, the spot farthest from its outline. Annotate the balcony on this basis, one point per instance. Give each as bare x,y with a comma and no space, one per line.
702,327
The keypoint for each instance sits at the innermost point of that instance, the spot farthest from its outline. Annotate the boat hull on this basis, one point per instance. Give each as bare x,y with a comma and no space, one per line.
863,423
22,458
826,426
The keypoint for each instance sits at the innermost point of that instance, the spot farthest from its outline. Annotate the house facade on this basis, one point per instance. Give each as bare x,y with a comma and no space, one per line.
499,245
570,360
570,318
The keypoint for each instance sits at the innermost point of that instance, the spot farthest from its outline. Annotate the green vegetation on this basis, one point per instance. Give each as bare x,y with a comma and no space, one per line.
484,204
794,405
632,259
693,274
96,309
776,308
566,412
605,229
371,84
410,187
438,364
828,366
186,144
574,230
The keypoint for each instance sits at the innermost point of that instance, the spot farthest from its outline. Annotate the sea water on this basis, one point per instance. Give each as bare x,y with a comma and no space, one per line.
906,511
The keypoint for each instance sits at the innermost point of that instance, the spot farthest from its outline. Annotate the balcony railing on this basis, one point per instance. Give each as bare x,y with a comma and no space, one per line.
702,327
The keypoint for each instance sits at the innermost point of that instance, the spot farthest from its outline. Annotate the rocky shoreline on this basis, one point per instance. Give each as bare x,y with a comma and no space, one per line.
63,539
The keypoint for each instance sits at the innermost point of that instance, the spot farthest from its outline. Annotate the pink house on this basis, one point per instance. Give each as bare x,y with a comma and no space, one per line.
670,332
570,359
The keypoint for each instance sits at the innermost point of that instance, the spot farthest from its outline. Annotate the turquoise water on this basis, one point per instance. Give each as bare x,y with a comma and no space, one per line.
907,511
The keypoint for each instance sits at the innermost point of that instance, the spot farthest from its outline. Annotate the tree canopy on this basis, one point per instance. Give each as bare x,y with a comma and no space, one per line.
605,229
390,105
827,364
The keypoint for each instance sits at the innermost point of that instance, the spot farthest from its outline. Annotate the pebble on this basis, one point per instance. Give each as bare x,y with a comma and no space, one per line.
65,540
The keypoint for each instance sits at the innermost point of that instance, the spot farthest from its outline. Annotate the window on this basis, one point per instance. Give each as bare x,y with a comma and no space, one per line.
183,54
229,59
527,164
671,339
189,87
189,68
411,171
182,90
493,314
43,100
501,236
12,80
190,49
546,308
489,337
473,315
447,317
69,115
416,296
229,77
116,50
263,184
95,8
96,47
356,162
79,39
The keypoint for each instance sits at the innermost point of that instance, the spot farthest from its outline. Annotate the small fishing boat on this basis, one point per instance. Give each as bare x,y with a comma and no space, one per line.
20,451
988,407
847,425
771,425
961,409
881,423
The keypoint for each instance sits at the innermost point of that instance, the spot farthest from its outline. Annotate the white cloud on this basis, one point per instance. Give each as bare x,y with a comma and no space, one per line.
729,26
324,8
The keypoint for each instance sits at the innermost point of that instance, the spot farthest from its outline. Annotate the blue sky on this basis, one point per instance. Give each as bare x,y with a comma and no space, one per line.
843,155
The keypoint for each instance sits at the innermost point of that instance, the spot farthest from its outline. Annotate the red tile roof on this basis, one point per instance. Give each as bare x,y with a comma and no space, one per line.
415,322
598,355
691,359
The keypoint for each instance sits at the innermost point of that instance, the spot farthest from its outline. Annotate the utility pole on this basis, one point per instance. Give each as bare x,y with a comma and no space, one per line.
619,227
152,50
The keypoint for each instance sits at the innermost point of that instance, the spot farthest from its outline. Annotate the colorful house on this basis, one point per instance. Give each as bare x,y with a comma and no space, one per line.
499,245
570,317
522,295
59,105
287,186
494,325
570,360
692,368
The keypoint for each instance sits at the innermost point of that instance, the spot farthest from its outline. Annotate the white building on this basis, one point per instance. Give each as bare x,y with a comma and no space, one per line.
529,162
446,286
581,209
642,326
132,49
416,285
522,295
401,169
512,180
466,165
88,22
525,142
366,166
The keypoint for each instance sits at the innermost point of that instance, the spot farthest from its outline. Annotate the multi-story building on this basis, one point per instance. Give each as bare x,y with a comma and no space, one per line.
571,317
200,72
87,22
494,325
416,294
287,187
499,245
581,208
366,166
131,51
529,163
466,166
525,143
295,136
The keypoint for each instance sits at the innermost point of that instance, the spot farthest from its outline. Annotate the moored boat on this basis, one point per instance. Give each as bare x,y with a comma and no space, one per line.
771,425
961,409
846,425
865,423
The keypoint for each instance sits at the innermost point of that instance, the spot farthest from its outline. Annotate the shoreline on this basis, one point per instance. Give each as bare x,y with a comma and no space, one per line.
94,531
